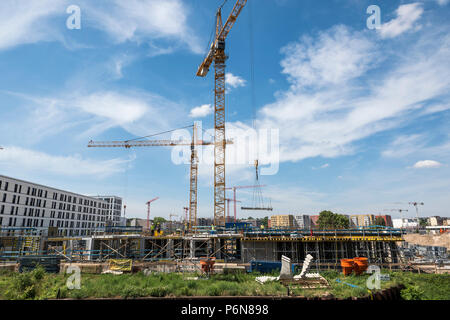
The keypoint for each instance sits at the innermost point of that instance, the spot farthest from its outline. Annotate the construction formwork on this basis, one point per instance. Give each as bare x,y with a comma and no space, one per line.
16,242
325,251
327,247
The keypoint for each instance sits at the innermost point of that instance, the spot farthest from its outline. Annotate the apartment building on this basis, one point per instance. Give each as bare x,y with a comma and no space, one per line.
27,204
302,221
282,221
405,223
362,220
114,211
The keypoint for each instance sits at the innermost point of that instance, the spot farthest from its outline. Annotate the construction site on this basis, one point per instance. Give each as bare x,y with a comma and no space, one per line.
227,246
235,247
223,242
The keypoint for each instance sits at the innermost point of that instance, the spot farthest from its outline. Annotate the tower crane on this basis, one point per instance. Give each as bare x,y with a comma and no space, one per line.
168,143
417,204
148,211
234,194
217,55
397,210
228,208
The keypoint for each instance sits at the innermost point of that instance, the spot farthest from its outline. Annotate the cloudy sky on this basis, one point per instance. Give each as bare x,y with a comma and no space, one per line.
362,114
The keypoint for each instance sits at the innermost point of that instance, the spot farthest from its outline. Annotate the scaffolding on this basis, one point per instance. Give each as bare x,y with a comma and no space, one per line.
327,247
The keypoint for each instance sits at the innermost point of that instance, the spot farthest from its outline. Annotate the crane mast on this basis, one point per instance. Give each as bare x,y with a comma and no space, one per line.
217,55
168,143
193,183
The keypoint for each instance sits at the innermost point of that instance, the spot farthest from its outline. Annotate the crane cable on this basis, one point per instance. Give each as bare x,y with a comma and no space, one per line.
258,199
160,133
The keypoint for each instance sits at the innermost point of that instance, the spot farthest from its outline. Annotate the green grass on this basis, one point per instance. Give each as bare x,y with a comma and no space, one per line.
39,285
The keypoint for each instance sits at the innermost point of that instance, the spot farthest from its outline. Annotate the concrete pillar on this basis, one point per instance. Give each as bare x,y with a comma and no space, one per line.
141,247
169,253
192,248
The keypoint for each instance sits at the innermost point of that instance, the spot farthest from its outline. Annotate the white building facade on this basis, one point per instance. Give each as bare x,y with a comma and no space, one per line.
405,223
114,214
302,221
27,204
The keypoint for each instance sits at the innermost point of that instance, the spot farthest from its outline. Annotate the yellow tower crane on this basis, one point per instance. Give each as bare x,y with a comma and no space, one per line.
217,55
168,143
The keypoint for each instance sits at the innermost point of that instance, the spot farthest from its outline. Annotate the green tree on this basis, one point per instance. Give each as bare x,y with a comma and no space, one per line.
265,222
330,220
342,221
423,222
158,220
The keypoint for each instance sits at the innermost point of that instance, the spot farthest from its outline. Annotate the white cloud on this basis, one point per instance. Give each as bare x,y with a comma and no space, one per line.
427,164
234,81
144,21
16,159
139,21
407,15
118,63
201,111
404,145
119,108
92,113
443,2
335,56
25,22
324,166
327,109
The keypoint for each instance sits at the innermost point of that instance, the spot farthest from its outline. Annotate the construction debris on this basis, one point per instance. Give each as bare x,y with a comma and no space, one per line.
306,265
112,272
286,268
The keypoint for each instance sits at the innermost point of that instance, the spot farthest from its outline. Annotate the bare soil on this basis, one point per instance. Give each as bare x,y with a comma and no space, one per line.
442,240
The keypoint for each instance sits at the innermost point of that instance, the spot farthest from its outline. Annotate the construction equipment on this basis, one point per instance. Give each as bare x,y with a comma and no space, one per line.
417,204
234,194
258,201
168,143
148,211
398,210
217,55
186,212
228,208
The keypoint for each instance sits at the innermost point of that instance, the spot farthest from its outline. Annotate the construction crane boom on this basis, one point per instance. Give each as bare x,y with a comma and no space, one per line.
234,194
416,205
168,143
220,36
217,55
148,203
146,143
228,207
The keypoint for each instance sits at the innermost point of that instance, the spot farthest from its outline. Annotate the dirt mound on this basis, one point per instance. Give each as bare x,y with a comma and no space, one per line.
442,240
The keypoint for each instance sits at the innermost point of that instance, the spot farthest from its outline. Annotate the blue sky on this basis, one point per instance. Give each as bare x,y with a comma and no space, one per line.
362,114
